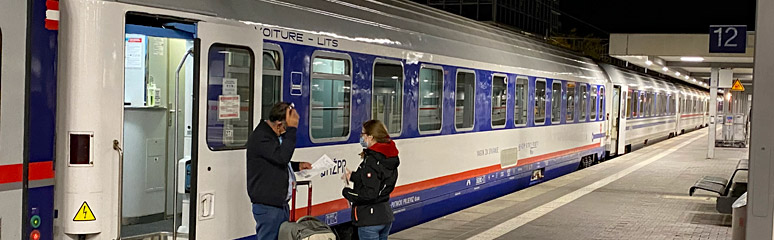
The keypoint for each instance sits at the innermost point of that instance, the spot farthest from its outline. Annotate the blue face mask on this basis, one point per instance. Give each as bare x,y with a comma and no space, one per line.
363,143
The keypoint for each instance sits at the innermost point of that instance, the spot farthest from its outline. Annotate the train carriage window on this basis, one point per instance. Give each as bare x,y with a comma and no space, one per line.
601,102
387,95
271,91
593,111
431,99
640,104
584,100
540,101
465,99
556,101
571,100
230,91
499,100
330,97
520,108
629,106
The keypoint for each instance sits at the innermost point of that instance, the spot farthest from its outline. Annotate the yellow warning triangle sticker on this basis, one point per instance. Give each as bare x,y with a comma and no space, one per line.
737,86
84,213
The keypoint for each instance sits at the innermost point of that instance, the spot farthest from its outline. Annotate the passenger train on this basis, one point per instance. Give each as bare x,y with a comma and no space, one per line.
151,103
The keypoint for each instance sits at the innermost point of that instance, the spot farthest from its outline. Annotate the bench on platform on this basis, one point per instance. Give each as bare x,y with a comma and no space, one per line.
728,189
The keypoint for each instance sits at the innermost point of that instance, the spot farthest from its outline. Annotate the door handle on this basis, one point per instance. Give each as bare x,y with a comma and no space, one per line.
117,147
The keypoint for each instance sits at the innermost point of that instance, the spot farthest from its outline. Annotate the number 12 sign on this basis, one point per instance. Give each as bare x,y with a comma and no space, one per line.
728,39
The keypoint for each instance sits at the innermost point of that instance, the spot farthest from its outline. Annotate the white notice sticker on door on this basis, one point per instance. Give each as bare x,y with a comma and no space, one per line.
229,86
228,107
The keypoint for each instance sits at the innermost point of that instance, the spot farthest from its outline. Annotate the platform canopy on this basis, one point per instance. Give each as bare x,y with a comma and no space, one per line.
683,56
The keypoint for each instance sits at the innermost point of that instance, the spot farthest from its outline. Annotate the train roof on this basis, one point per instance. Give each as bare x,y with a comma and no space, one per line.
404,25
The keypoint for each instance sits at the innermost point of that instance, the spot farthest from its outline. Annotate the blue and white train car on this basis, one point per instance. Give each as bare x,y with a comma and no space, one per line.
156,100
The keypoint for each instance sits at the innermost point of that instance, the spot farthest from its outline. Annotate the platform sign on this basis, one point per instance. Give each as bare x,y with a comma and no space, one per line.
728,39
737,86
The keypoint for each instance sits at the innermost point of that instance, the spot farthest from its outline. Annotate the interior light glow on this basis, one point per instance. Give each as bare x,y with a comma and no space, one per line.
692,59
665,68
677,73
649,62
394,77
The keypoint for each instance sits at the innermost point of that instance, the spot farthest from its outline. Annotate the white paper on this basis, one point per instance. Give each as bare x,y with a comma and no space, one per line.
229,86
228,107
135,51
322,164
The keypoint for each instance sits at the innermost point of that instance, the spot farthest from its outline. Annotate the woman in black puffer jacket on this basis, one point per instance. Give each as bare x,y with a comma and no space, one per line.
373,181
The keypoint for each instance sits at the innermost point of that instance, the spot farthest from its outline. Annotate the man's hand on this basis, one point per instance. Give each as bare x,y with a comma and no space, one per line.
347,174
291,117
304,165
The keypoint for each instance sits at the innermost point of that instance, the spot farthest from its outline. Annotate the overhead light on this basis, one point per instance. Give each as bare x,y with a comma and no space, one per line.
649,62
394,77
691,59
665,69
694,80
677,73
687,77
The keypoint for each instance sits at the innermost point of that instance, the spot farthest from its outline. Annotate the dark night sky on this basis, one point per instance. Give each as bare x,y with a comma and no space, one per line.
660,16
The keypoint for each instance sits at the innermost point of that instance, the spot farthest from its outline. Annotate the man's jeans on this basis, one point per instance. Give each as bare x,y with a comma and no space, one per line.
268,220
378,232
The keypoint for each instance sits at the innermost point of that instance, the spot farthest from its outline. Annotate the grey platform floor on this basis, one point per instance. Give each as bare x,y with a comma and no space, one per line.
651,202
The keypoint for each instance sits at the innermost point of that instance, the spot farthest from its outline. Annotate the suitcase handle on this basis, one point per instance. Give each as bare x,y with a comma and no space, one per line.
308,183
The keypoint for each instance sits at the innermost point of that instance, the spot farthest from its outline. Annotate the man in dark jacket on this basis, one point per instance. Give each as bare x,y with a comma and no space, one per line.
270,175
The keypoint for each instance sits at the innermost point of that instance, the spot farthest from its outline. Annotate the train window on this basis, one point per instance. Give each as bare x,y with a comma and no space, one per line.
569,114
593,111
230,87
629,106
641,104
556,101
520,108
271,90
540,101
330,97
601,102
499,100
431,99
584,101
465,99
387,95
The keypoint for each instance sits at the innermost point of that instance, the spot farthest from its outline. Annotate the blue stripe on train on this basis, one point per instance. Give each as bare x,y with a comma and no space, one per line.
425,205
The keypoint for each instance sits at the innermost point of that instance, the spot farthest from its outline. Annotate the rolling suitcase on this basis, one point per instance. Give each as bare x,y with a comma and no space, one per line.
306,227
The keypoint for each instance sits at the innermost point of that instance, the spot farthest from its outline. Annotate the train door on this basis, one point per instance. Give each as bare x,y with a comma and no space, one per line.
615,121
228,104
158,110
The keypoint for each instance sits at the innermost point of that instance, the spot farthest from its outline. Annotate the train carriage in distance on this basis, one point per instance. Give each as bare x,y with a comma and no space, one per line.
155,100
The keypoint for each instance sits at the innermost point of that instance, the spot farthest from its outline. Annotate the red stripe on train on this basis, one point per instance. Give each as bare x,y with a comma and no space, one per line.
37,171
336,205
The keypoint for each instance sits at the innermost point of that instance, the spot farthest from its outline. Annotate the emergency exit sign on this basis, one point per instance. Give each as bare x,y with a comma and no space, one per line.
728,39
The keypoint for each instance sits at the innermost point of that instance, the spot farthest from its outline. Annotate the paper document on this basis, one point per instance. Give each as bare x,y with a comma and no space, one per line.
323,163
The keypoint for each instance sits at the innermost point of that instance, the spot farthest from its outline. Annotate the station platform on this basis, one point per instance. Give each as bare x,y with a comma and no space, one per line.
640,195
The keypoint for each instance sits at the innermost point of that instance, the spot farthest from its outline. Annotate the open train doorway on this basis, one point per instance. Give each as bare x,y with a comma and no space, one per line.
157,125
615,121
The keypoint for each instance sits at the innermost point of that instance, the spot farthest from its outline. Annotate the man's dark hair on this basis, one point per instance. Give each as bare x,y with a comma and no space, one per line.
277,112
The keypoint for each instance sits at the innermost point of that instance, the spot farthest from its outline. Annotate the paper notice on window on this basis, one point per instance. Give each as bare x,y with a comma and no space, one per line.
135,51
229,86
228,107
322,164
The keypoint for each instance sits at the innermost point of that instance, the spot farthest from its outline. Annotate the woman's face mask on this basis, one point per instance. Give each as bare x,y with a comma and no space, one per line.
362,140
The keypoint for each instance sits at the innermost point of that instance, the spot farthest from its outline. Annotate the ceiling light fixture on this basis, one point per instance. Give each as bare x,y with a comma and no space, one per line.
649,62
665,69
692,59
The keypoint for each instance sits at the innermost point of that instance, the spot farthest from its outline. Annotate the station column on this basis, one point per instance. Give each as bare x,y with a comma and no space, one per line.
761,186
713,111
